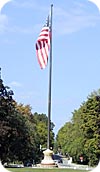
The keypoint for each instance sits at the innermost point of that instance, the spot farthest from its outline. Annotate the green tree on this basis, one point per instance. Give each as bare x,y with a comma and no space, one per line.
81,136
17,140
91,127
41,121
21,131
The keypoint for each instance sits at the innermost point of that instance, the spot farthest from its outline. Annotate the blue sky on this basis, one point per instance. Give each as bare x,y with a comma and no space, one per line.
76,54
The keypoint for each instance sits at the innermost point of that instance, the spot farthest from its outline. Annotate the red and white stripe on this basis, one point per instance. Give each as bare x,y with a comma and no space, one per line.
43,46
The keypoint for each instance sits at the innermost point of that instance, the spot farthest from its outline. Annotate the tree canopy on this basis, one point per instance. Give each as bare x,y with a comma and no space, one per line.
21,131
23,134
81,136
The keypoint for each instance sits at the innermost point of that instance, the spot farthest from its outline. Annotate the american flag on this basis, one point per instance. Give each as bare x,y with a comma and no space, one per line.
43,45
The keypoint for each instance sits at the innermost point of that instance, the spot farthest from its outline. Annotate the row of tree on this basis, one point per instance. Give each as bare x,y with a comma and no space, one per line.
21,131
80,138
23,134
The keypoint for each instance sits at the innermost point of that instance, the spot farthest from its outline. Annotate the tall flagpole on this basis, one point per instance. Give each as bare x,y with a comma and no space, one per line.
50,80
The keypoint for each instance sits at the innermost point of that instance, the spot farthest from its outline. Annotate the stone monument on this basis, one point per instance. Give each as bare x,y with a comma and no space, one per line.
48,161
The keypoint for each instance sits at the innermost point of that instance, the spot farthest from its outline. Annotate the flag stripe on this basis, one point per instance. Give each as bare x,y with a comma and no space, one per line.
43,46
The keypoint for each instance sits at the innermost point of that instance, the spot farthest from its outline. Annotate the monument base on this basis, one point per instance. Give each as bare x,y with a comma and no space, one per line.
48,161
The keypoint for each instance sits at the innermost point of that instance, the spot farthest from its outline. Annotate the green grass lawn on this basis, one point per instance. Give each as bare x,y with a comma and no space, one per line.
43,170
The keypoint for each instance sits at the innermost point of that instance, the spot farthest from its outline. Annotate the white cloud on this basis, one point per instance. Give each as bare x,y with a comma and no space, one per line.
15,84
74,19
65,21
27,95
32,4
3,23
25,4
74,23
